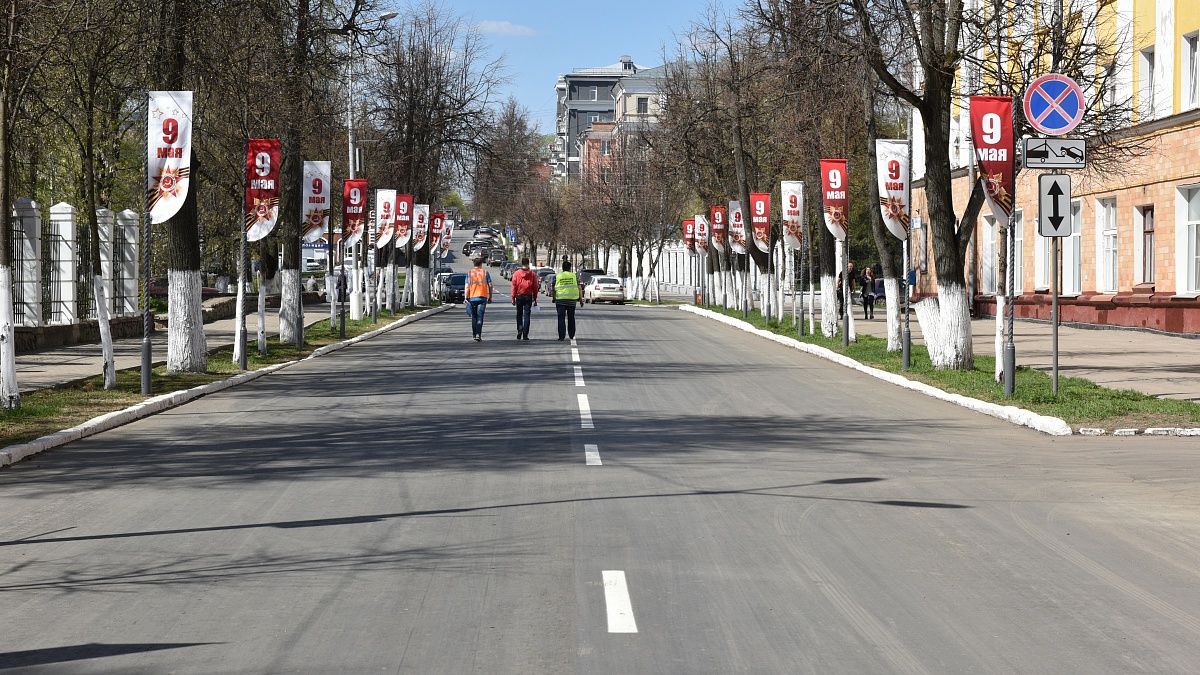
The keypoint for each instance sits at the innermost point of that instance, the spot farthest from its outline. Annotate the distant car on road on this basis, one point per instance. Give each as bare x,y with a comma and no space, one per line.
604,289
507,269
497,257
455,289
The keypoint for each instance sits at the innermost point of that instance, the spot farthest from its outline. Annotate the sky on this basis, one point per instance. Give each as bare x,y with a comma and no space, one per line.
542,39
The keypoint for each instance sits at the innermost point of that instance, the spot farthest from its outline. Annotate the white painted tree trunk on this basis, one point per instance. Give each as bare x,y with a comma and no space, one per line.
356,294
10,392
421,286
392,278
765,292
331,298
999,337
289,306
946,324
828,305
850,313
187,350
106,342
891,295
262,316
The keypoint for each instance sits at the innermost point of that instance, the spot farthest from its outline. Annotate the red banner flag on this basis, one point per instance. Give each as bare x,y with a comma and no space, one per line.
404,216
834,182
992,136
760,220
262,187
354,210
436,219
716,214
689,234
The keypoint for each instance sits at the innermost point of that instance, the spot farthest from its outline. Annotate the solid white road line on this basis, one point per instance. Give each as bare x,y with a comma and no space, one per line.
575,355
585,412
574,343
578,376
591,455
616,597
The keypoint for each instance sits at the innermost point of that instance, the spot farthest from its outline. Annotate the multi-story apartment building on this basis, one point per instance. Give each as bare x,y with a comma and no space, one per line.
585,95
636,104
1133,257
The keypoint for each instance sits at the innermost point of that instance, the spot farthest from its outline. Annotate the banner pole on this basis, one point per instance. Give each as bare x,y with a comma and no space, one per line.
241,336
846,299
147,321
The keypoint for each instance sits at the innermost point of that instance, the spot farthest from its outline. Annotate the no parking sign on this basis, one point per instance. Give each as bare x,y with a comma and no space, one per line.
1054,104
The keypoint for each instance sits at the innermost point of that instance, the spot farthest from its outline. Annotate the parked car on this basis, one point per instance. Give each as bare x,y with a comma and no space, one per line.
604,289
455,289
440,280
547,283
497,257
507,269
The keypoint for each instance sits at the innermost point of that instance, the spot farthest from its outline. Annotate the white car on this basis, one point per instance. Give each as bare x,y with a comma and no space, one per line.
604,289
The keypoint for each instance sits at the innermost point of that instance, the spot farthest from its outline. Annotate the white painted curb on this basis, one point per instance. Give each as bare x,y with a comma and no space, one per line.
1043,423
116,418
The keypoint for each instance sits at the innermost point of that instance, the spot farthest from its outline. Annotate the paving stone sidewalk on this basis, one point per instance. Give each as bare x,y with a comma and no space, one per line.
50,367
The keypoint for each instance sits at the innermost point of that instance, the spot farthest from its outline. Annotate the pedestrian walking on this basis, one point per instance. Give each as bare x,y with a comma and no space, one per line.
479,294
341,285
524,296
868,293
566,298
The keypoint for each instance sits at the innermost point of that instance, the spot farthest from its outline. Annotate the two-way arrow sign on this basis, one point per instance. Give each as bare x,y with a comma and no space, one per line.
1054,205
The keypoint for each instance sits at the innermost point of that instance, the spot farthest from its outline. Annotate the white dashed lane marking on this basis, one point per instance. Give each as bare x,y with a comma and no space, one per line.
574,355
591,455
585,413
578,376
616,598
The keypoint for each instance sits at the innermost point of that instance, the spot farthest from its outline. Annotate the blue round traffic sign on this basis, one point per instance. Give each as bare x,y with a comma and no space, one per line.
1054,104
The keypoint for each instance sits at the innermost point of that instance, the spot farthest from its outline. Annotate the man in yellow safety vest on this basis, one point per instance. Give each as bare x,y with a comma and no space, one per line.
566,297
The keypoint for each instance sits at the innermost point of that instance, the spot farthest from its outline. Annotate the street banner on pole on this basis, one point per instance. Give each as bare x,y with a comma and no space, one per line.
760,219
435,229
892,174
404,218
447,234
354,210
262,187
837,204
689,234
701,233
385,216
717,214
792,192
168,152
992,136
420,225
316,201
737,229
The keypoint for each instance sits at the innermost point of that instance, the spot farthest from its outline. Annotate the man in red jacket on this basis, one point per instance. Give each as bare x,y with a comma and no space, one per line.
524,296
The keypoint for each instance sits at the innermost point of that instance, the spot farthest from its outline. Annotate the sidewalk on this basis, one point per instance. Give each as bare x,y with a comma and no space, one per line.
1152,363
50,367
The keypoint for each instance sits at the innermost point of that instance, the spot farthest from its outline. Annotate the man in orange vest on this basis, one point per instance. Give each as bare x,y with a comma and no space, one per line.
479,294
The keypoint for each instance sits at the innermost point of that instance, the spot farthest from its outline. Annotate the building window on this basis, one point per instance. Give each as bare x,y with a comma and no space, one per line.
593,117
592,93
605,147
1193,238
1073,252
643,105
1146,107
988,271
1106,223
1109,86
1018,228
1147,244
1189,76
605,173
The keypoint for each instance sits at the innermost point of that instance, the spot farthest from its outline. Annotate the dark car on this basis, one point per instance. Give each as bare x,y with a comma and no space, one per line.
507,269
454,290
497,257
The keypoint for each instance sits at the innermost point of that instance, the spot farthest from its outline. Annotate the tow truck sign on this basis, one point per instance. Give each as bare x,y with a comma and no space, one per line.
1055,153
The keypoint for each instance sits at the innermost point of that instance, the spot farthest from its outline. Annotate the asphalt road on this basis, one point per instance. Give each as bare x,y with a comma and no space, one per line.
421,503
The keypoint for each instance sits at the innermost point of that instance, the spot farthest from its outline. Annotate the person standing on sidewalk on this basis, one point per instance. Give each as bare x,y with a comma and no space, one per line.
479,294
566,297
524,296
868,293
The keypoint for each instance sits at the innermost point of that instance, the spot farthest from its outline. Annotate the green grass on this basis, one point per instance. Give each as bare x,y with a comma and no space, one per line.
1080,402
46,411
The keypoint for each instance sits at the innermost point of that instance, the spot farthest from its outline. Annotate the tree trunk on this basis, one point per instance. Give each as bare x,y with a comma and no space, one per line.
828,252
886,245
10,391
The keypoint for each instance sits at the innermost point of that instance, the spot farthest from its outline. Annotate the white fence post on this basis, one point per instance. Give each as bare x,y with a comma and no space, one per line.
27,263
106,223
63,263
126,237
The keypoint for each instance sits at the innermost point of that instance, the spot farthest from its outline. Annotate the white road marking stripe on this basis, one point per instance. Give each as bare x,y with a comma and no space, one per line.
574,343
575,355
591,455
585,412
616,598
578,376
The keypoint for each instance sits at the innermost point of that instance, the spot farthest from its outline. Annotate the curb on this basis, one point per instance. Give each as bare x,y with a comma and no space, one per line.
116,418
1043,423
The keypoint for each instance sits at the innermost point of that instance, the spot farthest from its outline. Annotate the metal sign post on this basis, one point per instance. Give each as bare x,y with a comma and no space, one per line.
1054,208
